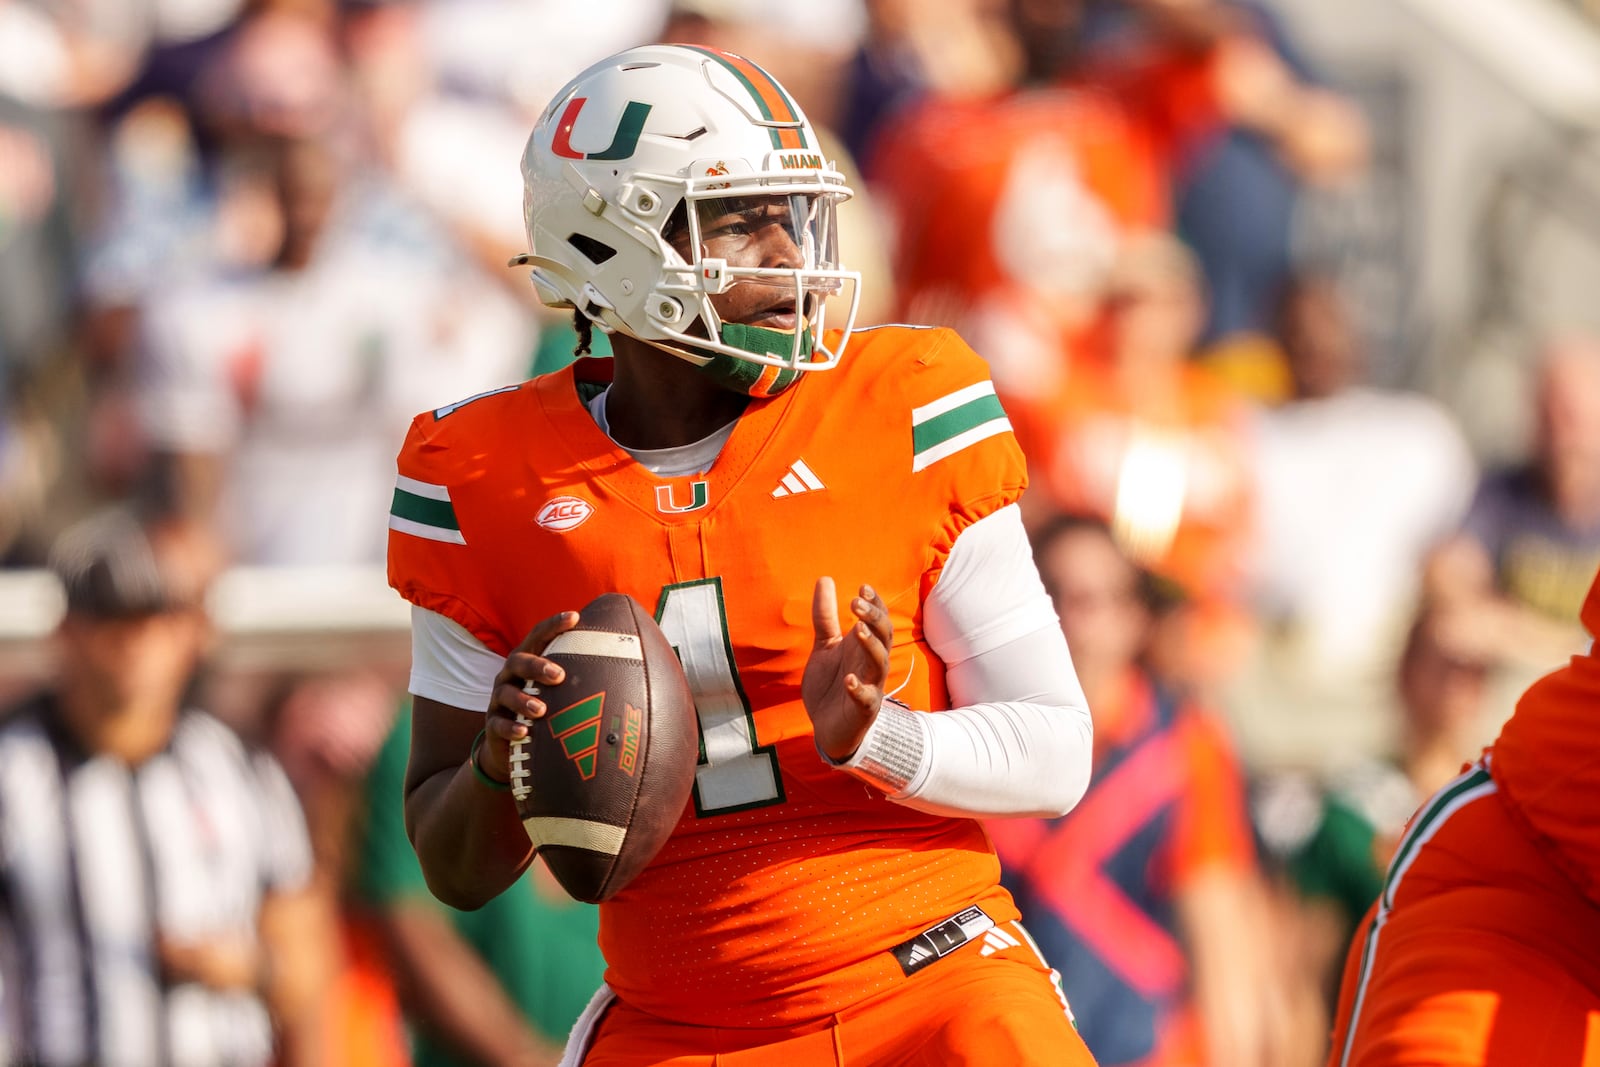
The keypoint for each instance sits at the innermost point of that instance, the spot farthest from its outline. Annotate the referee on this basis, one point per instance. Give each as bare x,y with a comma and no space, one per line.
155,906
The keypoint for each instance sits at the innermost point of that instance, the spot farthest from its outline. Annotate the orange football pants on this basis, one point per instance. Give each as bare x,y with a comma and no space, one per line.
1004,1008
1479,953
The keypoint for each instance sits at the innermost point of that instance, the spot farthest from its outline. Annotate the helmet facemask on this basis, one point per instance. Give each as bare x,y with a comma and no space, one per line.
770,260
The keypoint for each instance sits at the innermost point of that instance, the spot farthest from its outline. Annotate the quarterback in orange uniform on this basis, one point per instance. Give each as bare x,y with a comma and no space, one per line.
829,896
1484,948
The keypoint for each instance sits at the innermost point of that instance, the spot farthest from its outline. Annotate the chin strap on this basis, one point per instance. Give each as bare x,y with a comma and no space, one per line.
756,379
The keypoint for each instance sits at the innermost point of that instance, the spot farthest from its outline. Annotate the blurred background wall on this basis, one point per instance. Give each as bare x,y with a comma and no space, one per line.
1476,229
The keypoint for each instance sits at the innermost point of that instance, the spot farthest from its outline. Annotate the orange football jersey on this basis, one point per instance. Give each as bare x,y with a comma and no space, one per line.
1547,760
786,880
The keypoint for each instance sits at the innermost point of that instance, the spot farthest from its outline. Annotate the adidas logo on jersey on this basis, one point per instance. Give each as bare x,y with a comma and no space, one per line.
997,940
799,479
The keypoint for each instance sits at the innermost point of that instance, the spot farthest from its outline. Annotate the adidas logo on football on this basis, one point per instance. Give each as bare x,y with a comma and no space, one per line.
578,730
799,479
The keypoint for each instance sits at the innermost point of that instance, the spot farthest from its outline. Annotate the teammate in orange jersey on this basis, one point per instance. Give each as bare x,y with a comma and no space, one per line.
829,897
1484,948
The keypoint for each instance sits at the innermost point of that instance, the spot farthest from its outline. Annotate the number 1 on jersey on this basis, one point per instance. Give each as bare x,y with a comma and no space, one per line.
735,773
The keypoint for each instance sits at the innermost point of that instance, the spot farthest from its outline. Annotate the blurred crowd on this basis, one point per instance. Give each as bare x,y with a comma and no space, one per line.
243,242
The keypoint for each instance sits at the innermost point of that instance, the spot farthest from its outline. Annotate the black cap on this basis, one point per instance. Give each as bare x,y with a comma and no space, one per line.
108,568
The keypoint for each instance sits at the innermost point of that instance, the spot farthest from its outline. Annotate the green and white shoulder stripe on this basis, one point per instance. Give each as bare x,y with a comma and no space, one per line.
1472,785
423,509
954,422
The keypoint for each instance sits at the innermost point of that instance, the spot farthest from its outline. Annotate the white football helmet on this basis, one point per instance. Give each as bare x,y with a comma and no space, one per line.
653,139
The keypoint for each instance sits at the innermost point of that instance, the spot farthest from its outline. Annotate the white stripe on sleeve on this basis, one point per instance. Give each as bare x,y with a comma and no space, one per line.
449,664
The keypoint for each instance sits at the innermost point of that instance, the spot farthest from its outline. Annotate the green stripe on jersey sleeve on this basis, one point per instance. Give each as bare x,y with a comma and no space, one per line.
954,422
423,509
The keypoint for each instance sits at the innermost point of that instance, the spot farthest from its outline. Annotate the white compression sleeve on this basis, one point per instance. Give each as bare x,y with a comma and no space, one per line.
1019,740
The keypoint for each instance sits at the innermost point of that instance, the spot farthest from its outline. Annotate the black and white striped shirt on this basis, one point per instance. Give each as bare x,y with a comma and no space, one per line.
96,858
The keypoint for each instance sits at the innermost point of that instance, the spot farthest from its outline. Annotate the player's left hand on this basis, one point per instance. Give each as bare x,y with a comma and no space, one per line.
843,682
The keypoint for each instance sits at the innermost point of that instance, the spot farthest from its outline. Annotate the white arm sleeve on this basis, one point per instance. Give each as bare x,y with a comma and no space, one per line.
448,664
1019,740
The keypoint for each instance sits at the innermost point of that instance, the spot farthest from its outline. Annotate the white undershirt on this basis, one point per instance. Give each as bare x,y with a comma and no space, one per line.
693,458
1018,740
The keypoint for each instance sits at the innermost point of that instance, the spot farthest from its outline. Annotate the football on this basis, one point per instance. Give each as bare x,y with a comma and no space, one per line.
604,776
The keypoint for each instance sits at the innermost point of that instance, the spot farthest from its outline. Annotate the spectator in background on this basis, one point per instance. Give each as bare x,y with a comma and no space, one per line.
1010,194
1121,117
29,462
58,62
31,307
446,91
37,214
912,48
306,304
277,396
1283,134
1238,122
1354,487
496,987
159,49
449,89
1146,897
1155,445
188,201
325,729
154,879
1517,566
451,151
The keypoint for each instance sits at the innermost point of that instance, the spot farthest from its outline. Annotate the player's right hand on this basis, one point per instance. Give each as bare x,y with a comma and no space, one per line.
515,699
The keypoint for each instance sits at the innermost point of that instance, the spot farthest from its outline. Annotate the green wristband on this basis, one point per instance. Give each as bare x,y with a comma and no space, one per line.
478,771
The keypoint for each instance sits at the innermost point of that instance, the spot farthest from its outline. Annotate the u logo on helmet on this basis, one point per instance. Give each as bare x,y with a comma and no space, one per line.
623,141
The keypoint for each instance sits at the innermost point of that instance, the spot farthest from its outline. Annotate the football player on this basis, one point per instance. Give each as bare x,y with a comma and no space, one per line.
829,896
1484,948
